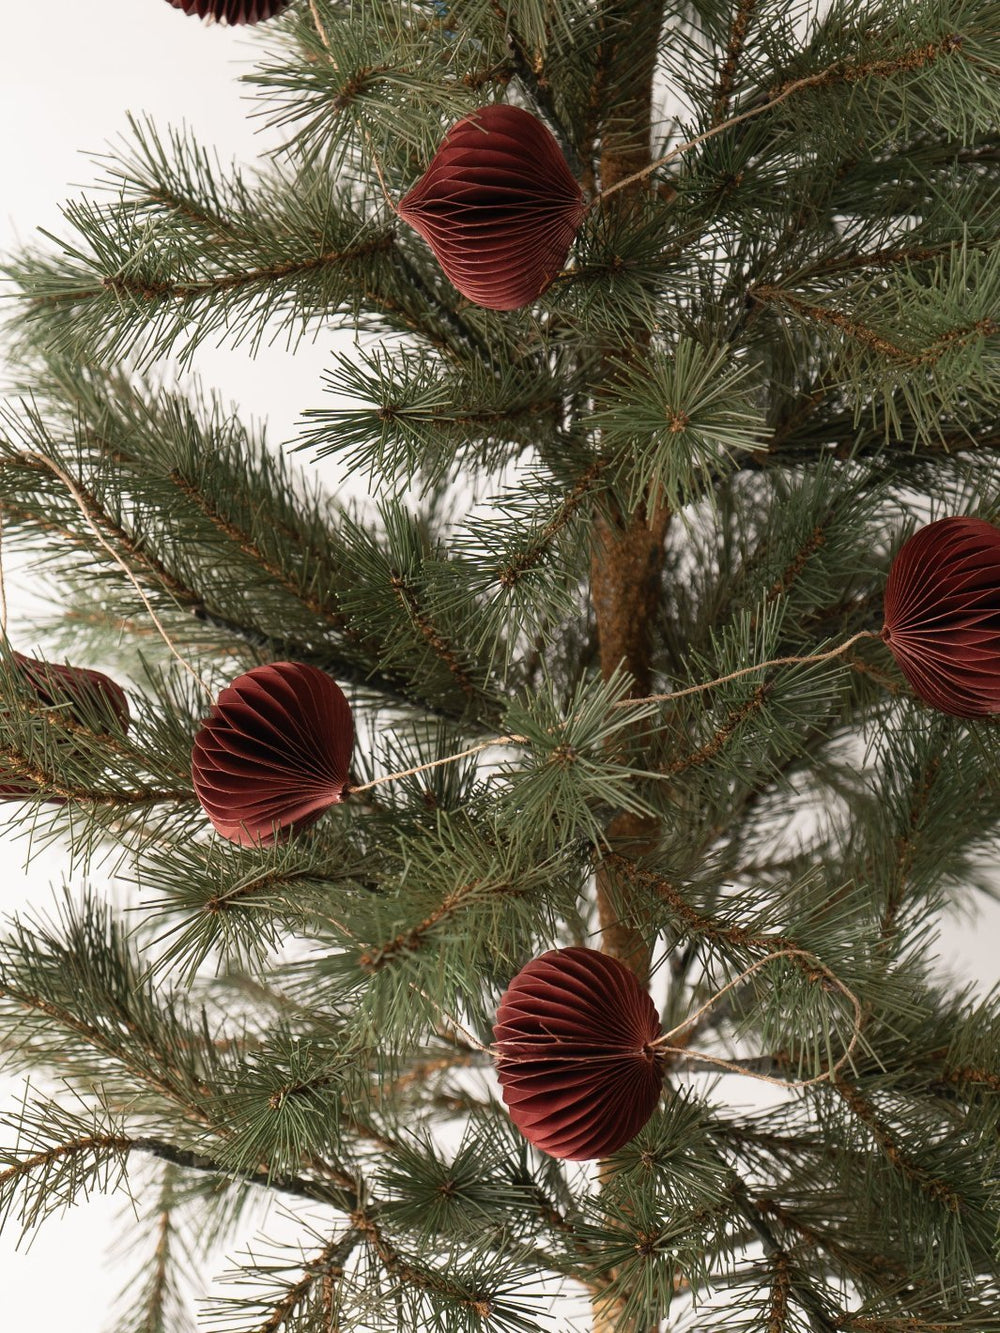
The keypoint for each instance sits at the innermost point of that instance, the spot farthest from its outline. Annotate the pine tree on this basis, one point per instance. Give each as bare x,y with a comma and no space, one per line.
772,354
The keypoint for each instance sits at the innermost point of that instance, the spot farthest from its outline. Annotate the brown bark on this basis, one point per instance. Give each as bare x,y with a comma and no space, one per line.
625,570
627,553
627,550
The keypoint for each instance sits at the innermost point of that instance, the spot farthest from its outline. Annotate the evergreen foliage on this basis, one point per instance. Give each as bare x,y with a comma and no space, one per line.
774,351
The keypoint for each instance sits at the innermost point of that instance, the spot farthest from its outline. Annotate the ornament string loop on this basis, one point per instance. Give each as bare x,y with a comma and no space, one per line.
663,1043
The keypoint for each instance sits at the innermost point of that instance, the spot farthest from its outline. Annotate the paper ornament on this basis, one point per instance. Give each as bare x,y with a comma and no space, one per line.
942,615
86,699
575,1059
499,207
232,11
274,753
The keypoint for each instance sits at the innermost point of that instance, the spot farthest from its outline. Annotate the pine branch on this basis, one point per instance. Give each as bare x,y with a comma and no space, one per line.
742,17
538,544
327,1267
938,1190
101,1148
254,536
781,1288
819,1319
159,1280
888,258
839,74
168,1081
88,1143
722,736
470,339
866,1267
142,559
907,844
387,685
716,931
442,649
246,544
146,272
136,288
375,957
972,1074
871,340
338,1195
18,766
408,1273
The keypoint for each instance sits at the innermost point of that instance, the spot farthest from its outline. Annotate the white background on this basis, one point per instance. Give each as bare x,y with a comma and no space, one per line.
69,71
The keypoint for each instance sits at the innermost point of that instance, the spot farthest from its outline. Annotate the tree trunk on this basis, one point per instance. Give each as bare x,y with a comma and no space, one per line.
627,552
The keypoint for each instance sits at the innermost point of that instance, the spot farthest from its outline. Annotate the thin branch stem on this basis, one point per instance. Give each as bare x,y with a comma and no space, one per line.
300,1186
328,1264
819,1320
126,285
727,75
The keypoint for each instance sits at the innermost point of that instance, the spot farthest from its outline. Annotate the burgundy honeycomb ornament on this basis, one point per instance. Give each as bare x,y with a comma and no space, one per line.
87,699
499,207
575,1055
942,615
274,753
232,11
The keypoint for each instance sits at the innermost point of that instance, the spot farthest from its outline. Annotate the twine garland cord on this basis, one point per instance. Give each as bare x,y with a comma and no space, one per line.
438,763
662,1043
81,505
318,24
460,1028
746,671
322,34
621,703
676,152
379,173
